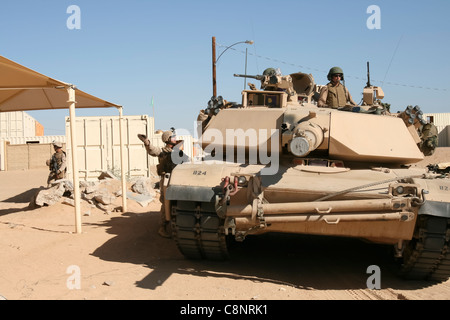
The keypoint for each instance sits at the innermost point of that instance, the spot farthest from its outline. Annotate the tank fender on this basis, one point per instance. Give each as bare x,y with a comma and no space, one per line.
437,199
198,182
435,208
193,193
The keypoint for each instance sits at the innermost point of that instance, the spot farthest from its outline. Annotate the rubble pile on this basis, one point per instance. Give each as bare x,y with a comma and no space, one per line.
103,193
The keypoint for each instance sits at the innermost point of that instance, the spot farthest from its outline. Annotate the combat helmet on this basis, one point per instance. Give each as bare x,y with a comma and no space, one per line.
166,136
270,72
57,144
335,70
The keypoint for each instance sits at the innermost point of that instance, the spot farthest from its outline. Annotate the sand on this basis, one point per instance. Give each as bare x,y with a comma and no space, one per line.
120,256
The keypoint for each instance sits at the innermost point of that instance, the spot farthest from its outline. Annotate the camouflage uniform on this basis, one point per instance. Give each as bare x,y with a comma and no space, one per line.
165,165
57,164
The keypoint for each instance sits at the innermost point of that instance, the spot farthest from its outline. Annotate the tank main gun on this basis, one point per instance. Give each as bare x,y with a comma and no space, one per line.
257,77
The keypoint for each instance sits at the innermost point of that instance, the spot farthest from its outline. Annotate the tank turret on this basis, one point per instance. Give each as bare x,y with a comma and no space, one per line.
285,105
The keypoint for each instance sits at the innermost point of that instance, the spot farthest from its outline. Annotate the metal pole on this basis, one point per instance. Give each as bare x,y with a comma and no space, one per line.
245,78
214,66
73,143
331,219
325,207
122,162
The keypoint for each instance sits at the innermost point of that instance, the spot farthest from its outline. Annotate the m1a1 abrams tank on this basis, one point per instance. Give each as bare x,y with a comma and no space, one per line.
278,163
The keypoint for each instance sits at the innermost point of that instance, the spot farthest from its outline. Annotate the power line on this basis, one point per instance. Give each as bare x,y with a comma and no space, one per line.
395,51
318,70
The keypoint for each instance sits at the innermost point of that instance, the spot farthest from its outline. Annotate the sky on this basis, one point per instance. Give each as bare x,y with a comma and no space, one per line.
132,52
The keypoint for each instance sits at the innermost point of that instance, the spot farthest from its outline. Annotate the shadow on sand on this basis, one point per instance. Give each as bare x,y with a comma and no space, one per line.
301,261
24,197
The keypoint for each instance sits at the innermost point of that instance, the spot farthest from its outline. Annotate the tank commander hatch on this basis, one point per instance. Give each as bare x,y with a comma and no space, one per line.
335,94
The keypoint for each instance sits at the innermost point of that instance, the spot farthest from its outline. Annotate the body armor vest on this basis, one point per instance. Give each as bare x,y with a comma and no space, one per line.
55,164
336,96
166,164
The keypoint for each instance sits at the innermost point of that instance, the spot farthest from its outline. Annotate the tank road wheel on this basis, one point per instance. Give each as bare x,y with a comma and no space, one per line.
198,230
427,255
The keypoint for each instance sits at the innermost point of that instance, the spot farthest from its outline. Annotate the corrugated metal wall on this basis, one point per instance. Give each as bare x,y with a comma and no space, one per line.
442,122
99,145
37,139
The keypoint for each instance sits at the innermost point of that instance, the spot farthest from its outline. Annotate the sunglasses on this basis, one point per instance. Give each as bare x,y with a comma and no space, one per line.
337,75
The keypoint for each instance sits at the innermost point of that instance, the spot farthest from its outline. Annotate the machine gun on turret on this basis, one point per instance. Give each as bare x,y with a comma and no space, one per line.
298,87
257,77
274,83
371,94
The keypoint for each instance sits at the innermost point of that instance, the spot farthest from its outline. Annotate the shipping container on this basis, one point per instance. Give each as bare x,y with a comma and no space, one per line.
36,139
17,124
98,148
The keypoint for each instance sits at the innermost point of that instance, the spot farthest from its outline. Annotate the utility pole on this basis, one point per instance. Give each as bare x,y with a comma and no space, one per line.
214,61
214,66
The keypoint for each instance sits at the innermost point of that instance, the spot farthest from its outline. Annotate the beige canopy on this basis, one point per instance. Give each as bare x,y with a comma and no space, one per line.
23,89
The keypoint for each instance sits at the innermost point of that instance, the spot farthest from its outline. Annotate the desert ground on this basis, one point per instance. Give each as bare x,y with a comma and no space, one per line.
120,256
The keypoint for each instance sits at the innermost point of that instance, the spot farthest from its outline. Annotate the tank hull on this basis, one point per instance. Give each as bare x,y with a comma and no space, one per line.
288,201
207,203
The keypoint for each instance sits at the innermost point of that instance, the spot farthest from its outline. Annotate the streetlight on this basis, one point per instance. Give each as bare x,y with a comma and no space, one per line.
214,61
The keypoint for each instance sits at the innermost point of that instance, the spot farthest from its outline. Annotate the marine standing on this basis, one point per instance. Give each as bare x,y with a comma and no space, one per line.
57,164
166,165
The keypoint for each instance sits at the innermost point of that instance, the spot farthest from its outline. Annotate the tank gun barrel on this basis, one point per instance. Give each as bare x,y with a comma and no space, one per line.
257,77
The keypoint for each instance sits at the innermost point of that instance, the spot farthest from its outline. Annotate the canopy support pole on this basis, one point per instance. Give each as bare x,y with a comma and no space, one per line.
122,162
73,143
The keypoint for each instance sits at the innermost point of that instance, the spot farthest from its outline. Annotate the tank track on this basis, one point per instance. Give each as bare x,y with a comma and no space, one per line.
198,230
427,255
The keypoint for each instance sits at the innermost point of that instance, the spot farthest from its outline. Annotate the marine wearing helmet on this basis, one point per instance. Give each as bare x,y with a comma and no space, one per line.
57,164
335,94
166,163
270,72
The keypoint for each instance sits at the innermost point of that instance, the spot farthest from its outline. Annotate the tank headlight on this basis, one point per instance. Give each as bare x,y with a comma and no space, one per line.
242,180
400,190
299,146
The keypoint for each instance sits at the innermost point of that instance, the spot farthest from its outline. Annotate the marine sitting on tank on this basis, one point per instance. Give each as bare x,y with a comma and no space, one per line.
335,95
166,163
